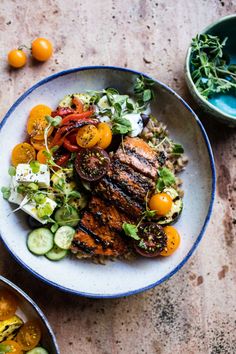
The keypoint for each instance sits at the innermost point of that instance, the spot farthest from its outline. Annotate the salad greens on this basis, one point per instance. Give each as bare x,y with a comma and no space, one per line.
210,68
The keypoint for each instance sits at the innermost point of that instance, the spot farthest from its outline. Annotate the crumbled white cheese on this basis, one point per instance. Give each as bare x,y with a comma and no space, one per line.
25,175
15,197
136,122
29,207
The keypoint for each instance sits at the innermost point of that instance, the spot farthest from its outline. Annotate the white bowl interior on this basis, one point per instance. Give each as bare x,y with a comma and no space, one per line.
27,311
120,277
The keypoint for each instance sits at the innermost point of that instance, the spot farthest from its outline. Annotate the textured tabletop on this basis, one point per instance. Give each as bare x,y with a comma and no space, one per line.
195,310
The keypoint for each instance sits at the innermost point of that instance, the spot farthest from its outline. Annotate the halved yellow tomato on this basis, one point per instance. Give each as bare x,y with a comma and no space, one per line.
12,347
173,241
29,335
39,144
37,122
161,202
105,135
22,153
87,136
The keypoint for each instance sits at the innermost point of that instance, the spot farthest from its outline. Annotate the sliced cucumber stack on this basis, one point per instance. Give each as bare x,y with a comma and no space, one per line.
176,209
56,253
38,350
40,241
67,217
64,236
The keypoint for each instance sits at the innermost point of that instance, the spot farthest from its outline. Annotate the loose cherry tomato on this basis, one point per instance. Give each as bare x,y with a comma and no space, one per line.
29,335
152,239
92,164
17,58
13,346
39,144
173,241
41,156
37,123
41,49
8,305
22,153
105,135
87,136
161,202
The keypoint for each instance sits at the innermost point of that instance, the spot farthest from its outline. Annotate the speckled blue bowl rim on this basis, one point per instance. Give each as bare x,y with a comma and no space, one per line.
180,265
35,306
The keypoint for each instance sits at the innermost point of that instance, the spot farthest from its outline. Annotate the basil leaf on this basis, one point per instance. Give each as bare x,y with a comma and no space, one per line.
12,171
35,166
131,230
177,149
6,192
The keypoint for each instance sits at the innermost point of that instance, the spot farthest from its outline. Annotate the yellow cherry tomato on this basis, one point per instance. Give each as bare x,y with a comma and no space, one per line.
8,305
105,135
41,157
17,58
22,153
29,335
39,144
13,346
41,49
87,136
37,123
173,241
161,202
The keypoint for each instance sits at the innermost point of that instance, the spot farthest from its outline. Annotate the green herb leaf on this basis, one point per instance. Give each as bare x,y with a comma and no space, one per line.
33,186
40,198
44,211
121,126
6,192
53,121
131,230
147,95
177,149
74,194
12,171
5,348
35,166
166,179
149,213
54,227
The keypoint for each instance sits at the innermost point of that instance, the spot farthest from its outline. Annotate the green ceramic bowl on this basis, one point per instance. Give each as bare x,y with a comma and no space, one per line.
223,106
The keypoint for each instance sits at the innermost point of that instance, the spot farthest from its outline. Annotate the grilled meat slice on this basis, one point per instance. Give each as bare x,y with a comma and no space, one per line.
112,193
139,155
132,182
108,214
93,239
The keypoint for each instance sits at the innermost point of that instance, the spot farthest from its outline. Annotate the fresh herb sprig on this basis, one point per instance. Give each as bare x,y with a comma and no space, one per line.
143,91
210,70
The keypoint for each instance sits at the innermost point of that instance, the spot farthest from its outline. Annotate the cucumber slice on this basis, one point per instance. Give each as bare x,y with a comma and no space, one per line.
56,254
38,350
65,217
40,241
64,237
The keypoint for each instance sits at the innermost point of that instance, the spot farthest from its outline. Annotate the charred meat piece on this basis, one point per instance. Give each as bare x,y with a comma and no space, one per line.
112,193
131,181
108,214
94,239
136,153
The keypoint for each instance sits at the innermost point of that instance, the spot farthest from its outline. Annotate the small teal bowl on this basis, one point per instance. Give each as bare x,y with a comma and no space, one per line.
223,106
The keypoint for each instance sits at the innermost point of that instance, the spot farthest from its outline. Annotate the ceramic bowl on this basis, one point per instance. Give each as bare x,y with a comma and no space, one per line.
221,107
27,310
117,278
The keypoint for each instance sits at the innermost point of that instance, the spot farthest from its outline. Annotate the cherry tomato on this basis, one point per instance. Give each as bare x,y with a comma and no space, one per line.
8,305
161,202
17,58
37,123
41,156
22,153
13,346
105,135
87,136
152,239
92,164
173,241
41,49
29,335
39,144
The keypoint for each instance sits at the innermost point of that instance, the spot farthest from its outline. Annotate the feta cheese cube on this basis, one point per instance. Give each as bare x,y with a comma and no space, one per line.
25,175
136,122
15,197
29,207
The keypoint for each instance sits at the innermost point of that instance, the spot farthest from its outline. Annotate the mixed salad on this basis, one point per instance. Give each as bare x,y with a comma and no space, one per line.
17,336
68,150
